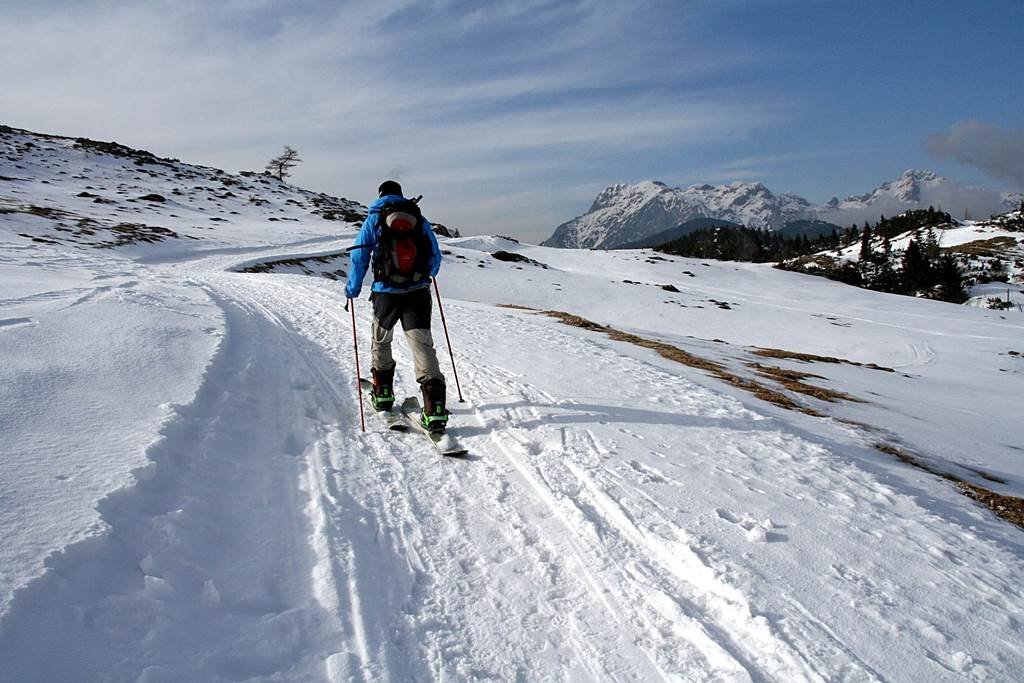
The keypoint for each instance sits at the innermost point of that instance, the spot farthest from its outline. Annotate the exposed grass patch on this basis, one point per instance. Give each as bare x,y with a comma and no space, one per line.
1009,508
992,248
516,307
811,358
90,232
676,354
32,210
132,233
765,393
793,380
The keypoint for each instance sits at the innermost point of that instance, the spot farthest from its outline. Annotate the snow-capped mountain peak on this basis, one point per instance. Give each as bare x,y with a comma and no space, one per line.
907,188
919,189
624,213
627,213
632,195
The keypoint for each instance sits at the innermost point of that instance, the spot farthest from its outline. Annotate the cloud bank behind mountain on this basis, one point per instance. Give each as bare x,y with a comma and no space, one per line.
996,152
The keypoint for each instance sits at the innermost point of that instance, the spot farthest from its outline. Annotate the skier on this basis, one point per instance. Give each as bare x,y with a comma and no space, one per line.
400,244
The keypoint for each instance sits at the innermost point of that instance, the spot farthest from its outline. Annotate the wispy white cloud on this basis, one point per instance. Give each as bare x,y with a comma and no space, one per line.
501,107
760,166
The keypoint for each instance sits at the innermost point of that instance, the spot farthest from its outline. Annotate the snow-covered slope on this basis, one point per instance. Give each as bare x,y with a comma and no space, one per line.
985,250
78,192
623,214
187,496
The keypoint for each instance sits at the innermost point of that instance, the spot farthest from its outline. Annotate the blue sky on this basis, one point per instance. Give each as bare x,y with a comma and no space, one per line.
511,116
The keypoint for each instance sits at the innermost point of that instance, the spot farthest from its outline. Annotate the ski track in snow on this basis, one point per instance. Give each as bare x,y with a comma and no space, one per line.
205,554
7,323
267,540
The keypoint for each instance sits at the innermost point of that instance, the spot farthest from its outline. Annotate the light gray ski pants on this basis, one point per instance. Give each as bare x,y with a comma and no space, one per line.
421,342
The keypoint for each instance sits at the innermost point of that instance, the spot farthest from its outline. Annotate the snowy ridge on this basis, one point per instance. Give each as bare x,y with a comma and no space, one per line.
80,192
1001,242
990,253
188,495
917,190
626,213
623,214
912,186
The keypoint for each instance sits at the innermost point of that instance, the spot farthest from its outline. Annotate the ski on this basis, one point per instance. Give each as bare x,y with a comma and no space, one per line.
392,419
445,444
407,417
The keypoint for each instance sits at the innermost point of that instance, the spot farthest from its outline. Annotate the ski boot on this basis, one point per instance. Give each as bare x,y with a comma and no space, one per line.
435,417
382,396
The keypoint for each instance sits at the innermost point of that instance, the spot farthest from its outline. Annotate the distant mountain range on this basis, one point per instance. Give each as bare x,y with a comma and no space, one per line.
632,215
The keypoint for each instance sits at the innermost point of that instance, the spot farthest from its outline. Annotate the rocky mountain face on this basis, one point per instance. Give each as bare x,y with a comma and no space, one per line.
624,214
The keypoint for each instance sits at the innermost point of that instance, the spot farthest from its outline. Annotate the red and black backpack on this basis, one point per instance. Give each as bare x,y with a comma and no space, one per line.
403,247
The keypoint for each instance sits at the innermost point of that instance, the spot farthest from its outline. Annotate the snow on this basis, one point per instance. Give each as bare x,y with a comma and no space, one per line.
918,189
979,295
489,244
977,245
623,214
187,495
969,231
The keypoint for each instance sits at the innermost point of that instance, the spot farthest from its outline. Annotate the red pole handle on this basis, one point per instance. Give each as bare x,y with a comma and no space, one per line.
350,304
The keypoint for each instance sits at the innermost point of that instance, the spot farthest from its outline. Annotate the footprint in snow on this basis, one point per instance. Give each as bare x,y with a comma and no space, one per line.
648,473
754,531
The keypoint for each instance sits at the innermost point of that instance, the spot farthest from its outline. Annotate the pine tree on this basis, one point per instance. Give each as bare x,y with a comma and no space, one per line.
865,244
950,280
915,275
281,166
885,278
852,235
931,245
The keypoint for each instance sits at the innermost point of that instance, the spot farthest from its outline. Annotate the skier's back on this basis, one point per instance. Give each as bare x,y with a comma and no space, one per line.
400,244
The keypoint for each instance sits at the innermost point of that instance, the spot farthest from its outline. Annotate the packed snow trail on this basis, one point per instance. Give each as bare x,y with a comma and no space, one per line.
200,574
618,521
622,517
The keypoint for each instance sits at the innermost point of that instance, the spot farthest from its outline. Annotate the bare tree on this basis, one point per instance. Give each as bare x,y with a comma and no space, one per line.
281,166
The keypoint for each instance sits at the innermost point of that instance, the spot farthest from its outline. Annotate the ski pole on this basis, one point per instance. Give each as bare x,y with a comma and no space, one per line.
355,346
448,339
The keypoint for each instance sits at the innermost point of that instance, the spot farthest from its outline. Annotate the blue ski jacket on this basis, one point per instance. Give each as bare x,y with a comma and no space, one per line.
362,257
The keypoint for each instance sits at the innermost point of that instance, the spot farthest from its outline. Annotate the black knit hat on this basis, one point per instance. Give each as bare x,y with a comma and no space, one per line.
389,187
